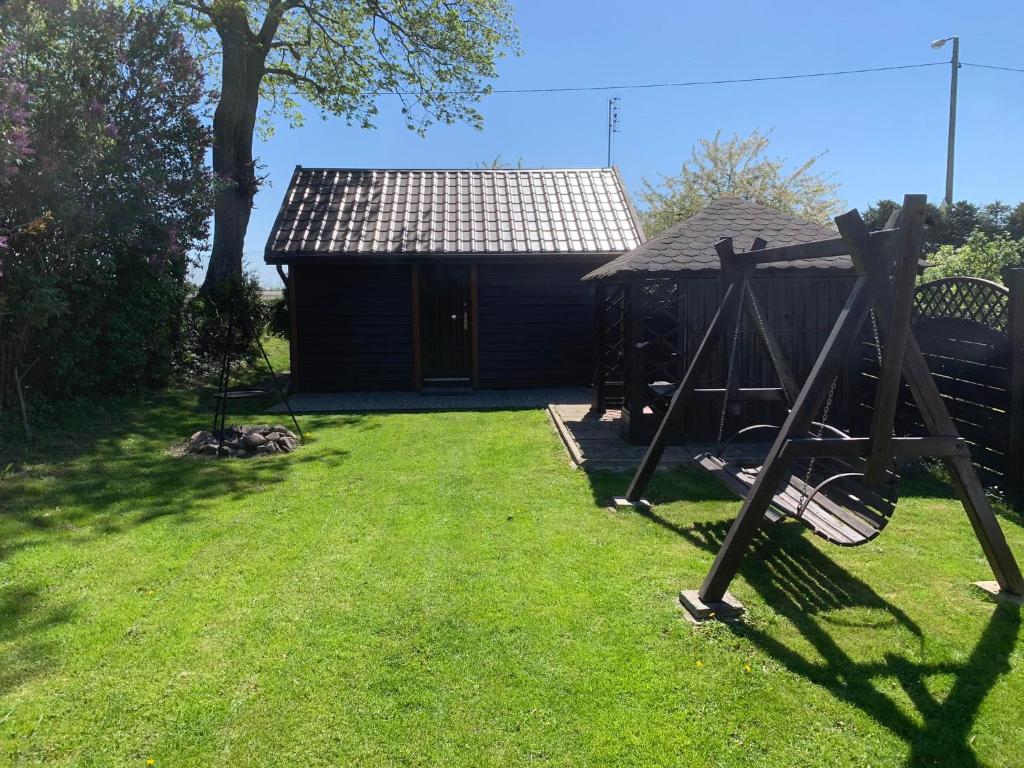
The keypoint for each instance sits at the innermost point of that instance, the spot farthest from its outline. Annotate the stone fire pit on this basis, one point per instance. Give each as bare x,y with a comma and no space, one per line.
243,442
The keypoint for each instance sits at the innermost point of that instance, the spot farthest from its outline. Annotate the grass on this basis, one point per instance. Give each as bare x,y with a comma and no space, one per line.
442,589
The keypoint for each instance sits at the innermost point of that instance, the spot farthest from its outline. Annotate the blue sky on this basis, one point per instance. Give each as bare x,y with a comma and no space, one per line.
885,133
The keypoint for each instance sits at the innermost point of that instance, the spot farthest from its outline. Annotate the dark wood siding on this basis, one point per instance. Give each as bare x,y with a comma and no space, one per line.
676,312
535,325
354,327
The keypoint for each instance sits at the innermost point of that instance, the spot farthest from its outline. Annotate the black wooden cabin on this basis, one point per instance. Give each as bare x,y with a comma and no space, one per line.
654,303
411,279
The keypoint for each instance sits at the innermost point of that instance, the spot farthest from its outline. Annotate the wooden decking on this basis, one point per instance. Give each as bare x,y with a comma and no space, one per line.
593,443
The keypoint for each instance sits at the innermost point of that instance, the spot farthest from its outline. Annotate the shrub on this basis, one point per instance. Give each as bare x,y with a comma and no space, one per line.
280,321
239,309
980,256
103,195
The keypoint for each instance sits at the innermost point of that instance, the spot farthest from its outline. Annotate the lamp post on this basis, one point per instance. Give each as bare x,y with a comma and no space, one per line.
955,64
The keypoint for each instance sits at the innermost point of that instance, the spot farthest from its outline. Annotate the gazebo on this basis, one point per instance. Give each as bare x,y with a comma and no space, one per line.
653,303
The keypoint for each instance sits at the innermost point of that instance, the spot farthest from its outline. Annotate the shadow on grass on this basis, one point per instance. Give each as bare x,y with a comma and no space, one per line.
804,586
100,472
667,487
801,584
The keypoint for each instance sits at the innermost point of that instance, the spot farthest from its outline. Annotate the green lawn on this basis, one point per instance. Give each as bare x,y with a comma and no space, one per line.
443,589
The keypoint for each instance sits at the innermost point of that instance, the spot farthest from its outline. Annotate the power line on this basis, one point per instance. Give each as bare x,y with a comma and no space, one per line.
684,83
992,66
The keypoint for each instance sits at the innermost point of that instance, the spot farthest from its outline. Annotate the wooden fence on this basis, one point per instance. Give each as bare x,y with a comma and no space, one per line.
971,332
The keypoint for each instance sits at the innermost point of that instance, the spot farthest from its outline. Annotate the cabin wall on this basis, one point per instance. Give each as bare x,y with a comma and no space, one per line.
536,325
352,327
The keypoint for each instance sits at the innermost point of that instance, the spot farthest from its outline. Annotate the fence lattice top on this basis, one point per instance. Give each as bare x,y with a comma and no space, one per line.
964,298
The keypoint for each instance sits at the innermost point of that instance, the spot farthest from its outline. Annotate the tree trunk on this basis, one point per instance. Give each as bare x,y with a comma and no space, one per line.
234,123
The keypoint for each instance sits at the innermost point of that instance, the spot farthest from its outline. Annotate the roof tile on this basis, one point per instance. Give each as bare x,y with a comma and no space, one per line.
338,211
690,244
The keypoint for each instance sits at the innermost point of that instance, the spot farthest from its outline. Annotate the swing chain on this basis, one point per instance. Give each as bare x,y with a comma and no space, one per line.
804,498
878,339
759,319
732,362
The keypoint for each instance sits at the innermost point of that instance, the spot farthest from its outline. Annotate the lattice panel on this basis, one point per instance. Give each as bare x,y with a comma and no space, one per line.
964,298
612,340
660,312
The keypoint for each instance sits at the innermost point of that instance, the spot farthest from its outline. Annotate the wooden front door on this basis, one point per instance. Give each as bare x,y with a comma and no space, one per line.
445,323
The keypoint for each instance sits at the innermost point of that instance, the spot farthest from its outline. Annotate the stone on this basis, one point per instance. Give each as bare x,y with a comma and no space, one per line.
993,590
242,441
621,503
698,611
292,435
200,437
253,440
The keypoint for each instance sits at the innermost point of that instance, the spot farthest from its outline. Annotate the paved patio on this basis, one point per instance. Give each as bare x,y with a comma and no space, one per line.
592,440
479,400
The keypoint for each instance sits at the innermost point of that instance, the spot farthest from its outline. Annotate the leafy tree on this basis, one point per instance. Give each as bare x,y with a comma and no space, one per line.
739,166
106,198
1015,222
955,225
877,215
981,255
994,218
338,56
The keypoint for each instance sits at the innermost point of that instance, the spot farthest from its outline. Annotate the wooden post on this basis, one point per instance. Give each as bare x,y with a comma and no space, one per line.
634,388
291,288
598,394
887,396
1015,331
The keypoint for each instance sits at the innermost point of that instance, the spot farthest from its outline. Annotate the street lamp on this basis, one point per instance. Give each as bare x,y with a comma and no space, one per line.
955,64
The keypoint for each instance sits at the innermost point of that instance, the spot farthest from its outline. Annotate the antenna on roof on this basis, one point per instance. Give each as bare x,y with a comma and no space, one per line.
613,125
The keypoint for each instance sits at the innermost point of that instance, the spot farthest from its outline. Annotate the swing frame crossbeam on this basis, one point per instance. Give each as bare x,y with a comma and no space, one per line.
886,263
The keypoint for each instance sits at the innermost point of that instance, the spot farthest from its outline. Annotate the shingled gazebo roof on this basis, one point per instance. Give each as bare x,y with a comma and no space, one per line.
366,213
690,244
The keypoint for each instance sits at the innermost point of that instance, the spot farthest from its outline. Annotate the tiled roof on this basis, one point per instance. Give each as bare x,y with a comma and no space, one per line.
690,244
365,212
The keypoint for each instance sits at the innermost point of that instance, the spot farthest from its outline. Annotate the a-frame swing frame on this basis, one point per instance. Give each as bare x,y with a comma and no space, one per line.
892,301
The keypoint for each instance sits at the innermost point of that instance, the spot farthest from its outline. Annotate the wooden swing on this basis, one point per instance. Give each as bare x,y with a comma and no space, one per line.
843,488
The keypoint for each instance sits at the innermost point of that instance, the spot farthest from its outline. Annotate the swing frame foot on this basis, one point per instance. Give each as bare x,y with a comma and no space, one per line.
992,589
621,503
697,611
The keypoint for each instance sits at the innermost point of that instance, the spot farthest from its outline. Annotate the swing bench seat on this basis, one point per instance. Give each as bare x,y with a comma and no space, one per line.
829,496
660,393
